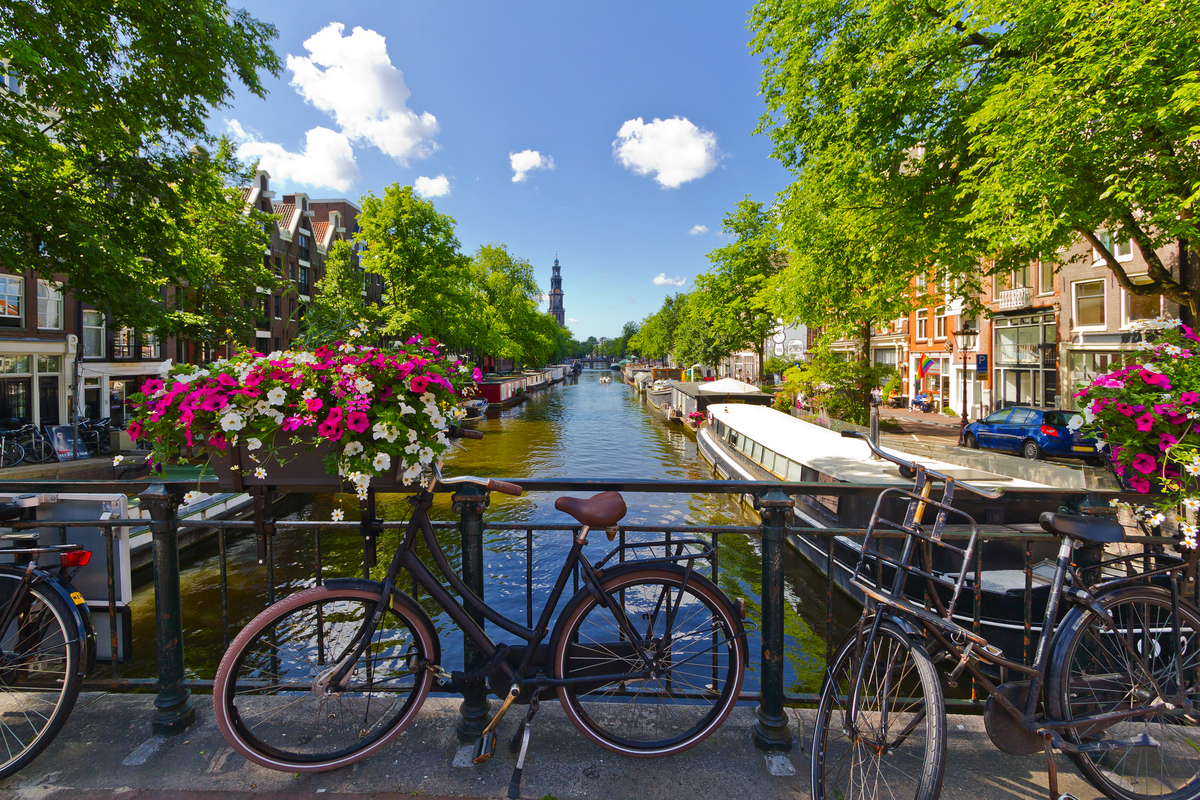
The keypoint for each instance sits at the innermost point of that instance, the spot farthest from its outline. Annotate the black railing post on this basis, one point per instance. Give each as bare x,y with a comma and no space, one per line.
469,502
173,709
771,731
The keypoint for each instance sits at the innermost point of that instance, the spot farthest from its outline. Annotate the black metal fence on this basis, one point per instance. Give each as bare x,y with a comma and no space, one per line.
1008,520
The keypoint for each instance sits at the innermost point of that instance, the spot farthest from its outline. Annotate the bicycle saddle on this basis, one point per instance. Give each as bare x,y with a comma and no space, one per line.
1088,529
598,511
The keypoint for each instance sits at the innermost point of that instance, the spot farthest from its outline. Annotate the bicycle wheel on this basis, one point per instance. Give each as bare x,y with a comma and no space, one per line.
1096,674
697,666
11,453
268,698
896,746
40,656
38,451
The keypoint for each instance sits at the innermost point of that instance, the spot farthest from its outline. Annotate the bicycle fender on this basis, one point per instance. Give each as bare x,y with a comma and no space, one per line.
82,616
1073,618
399,598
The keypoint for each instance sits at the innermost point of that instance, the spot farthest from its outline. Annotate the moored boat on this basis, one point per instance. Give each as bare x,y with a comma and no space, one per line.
475,407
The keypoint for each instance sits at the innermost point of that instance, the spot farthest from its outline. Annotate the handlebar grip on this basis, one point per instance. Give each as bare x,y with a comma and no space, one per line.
850,434
504,486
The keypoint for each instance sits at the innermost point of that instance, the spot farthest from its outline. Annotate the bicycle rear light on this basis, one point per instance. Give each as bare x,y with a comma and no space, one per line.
76,558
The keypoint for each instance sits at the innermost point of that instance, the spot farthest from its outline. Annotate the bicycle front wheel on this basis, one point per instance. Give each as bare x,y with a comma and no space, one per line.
40,655
38,451
272,699
1102,670
895,746
688,681
11,453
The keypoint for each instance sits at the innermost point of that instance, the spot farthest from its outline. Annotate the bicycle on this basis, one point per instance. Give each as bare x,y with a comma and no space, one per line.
47,644
1120,666
11,452
647,658
35,446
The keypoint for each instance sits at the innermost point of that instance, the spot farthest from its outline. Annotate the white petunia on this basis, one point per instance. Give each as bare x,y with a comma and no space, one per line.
253,444
363,386
276,396
353,449
190,498
118,460
381,462
412,448
233,421
338,515
412,435
260,473
427,455
405,408
164,368
1076,423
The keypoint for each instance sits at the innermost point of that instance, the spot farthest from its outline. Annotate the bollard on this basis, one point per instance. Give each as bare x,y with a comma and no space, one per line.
875,429
173,708
469,502
771,731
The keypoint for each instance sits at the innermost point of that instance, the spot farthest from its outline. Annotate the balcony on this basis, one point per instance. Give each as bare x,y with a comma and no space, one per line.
1012,299
1027,354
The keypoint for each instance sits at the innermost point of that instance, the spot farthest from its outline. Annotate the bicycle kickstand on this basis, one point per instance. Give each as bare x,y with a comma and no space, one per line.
1052,772
520,744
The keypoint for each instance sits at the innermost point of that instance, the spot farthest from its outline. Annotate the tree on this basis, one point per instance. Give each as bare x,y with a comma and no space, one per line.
990,132
428,279
729,298
656,336
95,165
507,315
338,307
693,341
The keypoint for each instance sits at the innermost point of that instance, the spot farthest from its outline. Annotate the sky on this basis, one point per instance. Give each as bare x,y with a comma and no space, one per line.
615,136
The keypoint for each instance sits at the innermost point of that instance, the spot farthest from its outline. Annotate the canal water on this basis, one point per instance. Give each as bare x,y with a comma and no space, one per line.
579,429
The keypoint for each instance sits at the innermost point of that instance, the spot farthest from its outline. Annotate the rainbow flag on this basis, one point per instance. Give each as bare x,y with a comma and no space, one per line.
923,366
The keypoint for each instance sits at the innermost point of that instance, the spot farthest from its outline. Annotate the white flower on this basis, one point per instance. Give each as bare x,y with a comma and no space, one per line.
276,396
309,394
349,369
164,368
338,515
353,449
118,460
277,416
355,333
412,435
438,420
427,455
411,474
412,448
274,355
233,421
346,347
190,498
428,399
362,492
1076,423
405,408
262,406
253,444
305,358
381,462
260,473
363,386
1192,503
1192,469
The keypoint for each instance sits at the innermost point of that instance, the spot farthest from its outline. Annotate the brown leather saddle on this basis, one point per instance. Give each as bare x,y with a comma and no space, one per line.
599,511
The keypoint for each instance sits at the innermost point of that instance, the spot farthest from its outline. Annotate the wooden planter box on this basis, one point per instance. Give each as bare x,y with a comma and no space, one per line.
304,470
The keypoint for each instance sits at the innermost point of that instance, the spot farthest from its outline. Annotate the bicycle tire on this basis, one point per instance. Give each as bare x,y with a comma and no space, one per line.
251,722
1093,675
39,672
38,451
914,765
614,719
11,453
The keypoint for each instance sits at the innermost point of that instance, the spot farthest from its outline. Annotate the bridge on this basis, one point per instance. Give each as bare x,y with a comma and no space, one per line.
596,362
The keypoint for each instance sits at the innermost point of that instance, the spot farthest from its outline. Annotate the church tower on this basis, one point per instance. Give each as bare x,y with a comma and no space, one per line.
556,295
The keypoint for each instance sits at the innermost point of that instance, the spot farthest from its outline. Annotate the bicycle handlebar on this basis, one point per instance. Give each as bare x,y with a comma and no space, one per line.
491,484
990,494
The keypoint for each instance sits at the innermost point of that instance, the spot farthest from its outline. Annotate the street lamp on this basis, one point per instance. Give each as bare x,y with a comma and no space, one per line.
964,339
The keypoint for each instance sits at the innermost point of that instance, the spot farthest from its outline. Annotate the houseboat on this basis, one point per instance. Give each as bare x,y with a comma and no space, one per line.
697,396
536,379
751,442
502,391
557,372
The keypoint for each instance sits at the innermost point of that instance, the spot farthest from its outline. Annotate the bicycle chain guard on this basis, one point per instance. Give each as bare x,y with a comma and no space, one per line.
1004,731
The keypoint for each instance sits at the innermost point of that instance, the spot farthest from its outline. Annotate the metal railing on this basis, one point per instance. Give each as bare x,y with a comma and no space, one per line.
775,503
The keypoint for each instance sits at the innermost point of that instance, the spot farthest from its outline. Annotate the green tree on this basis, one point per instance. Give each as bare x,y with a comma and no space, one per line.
694,343
430,291
656,336
508,324
833,385
94,167
338,311
950,135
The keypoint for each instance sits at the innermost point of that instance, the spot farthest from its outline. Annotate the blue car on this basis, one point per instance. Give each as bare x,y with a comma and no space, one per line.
1032,432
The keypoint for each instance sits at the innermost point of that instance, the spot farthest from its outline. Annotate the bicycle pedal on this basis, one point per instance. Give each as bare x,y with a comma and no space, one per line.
485,748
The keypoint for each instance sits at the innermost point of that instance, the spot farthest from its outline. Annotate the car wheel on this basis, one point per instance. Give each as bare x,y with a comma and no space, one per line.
1031,450
971,441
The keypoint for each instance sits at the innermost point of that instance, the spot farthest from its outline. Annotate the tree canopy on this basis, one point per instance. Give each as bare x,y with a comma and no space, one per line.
511,325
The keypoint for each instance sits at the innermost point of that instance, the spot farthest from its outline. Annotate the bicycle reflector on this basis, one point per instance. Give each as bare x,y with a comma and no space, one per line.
76,558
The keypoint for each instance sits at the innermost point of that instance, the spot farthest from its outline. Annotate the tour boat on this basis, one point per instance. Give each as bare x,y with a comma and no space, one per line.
749,442
605,379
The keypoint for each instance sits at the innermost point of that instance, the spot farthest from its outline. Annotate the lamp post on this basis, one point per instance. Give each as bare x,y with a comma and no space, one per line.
964,339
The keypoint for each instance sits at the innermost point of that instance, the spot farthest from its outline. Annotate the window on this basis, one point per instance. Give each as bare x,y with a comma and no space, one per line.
922,324
939,322
1021,276
277,343
302,245
93,334
278,302
1140,307
291,270
150,347
304,280
291,307
1046,273
277,270
1089,304
50,306
996,417
11,292
1023,416
1121,248
123,343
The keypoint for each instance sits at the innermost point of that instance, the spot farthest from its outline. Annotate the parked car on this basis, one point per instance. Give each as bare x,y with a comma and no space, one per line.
1032,432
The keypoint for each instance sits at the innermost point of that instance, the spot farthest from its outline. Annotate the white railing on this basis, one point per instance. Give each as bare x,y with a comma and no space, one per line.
1011,299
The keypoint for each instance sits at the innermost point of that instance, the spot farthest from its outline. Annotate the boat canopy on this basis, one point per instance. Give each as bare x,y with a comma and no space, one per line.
729,386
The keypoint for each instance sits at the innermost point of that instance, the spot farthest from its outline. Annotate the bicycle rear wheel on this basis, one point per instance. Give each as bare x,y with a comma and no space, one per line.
896,746
268,696
696,668
11,453
40,655
1097,674
38,450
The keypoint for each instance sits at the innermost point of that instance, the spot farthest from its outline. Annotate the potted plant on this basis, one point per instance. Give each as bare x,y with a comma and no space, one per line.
339,415
1147,411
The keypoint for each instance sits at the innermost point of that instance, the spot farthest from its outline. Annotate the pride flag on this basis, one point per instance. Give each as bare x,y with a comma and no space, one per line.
923,366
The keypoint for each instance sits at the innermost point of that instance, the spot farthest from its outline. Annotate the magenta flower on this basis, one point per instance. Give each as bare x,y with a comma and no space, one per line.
1145,422
419,384
1144,463
217,441
1139,484
330,430
154,384
314,404
1189,398
357,421
134,429
1166,441
226,380
476,375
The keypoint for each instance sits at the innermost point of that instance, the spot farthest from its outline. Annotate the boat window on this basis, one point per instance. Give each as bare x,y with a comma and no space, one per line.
756,452
768,459
795,472
747,445
733,437
809,475
720,428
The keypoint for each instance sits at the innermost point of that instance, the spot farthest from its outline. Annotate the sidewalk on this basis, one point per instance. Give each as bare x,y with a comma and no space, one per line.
106,752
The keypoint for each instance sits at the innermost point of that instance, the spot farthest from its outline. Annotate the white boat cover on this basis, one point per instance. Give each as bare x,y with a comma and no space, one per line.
728,386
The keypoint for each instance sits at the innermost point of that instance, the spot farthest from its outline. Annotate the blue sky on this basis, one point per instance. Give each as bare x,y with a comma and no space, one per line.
568,82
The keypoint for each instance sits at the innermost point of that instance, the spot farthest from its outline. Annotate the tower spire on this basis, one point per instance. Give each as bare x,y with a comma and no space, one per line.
556,294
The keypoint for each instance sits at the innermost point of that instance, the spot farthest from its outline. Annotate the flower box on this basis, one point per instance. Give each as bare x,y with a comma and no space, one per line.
293,467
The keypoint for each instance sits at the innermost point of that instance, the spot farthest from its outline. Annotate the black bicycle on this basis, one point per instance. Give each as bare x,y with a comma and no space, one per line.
1114,684
47,643
647,658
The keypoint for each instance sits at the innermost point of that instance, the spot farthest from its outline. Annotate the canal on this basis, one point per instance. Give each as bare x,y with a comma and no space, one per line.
579,429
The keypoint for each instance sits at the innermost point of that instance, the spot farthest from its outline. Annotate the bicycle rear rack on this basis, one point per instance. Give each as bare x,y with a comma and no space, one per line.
705,552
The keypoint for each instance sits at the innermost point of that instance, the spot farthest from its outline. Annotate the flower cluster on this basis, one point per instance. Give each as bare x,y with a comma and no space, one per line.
696,416
374,408
1147,411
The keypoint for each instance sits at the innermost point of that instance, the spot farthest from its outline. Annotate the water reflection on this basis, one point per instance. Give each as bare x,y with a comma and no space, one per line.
582,429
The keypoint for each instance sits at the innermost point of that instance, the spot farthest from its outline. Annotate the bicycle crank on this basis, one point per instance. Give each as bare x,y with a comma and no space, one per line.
485,745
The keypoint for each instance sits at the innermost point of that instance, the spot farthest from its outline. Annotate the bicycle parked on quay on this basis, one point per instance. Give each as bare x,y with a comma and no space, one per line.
647,658
19,442
1113,684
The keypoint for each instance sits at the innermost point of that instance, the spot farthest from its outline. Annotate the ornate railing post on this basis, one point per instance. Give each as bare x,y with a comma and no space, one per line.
173,709
771,731
469,502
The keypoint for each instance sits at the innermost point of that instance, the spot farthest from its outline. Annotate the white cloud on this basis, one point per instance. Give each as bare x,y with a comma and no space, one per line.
352,78
526,162
661,279
326,160
572,319
674,150
432,187
698,230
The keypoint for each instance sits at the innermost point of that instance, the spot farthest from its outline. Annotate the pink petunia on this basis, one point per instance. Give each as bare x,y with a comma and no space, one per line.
134,429
1166,441
335,416
154,384
357,421
1189,398
1144,463
1145,422
314,404
226,380
1139,484
330,430
253,379
476,375
419,384
217,441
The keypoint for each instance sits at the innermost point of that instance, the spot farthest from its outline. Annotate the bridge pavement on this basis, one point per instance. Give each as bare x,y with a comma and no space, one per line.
106,752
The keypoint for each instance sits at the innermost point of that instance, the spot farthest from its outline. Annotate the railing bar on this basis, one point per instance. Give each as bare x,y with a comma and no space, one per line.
829,573
529,577
114,648
978,605
223,559
270,570
1027,645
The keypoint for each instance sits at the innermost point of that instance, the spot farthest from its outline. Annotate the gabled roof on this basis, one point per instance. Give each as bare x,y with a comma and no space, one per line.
289,218
321,234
